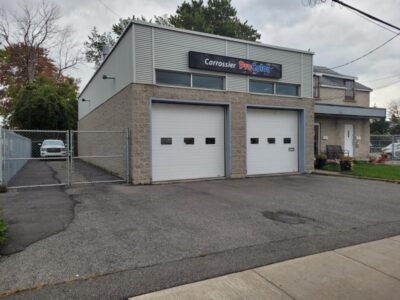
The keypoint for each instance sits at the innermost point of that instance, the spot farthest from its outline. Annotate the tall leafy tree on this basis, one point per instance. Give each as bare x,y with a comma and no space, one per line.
217,17
45,104
379,127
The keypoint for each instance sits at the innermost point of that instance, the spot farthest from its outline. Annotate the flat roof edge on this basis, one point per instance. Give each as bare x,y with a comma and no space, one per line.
221,37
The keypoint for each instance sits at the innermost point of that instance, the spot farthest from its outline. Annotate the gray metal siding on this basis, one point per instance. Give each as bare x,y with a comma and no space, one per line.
290,62
119,64
143,54
171,48
171,53
307,76
237,83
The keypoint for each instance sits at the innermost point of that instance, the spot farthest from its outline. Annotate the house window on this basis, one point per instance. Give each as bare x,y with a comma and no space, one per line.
287,89
258,86
208,82
172,78
316,86
349,93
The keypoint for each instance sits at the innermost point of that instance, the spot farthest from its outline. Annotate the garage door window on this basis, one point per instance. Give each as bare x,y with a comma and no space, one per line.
287,140
208,82
271,140
253,140
210,141
166,141
188,141
172,78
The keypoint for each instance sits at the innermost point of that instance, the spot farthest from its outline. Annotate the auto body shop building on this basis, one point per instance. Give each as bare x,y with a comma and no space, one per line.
203,106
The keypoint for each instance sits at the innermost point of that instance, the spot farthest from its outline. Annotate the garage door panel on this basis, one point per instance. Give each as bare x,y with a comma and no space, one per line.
277,147
187,161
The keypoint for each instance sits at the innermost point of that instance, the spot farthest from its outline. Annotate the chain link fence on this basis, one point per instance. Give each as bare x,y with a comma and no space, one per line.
387,145
34,157
99,156
31,158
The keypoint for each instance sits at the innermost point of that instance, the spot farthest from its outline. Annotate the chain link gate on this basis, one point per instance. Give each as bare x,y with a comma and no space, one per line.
99,156
35,158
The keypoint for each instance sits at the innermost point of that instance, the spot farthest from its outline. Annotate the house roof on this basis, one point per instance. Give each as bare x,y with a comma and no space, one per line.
333,78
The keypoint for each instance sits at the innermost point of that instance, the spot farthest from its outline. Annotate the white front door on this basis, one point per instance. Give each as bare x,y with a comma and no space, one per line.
272,141
187,141
348,138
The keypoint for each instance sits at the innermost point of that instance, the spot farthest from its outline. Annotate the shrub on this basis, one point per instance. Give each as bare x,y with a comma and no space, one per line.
346,164
3,231
320,161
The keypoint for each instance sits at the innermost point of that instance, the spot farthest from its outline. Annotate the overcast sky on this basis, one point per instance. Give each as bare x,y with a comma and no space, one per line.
334,33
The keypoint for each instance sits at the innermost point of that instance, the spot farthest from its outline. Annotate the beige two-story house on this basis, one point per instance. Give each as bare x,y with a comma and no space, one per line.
342,113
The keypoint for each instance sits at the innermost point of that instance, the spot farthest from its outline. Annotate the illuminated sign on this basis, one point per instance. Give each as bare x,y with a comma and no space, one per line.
228,64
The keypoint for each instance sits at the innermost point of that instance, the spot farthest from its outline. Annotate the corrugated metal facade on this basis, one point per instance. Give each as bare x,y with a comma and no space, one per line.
167,49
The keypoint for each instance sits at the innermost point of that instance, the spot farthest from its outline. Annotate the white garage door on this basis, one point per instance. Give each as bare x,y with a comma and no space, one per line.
187,141
272,141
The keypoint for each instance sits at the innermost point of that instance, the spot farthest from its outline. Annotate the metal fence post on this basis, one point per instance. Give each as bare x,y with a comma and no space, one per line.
126,154
71,156
67,158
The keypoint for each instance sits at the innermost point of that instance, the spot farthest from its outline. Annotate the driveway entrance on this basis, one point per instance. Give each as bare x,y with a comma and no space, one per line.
31,158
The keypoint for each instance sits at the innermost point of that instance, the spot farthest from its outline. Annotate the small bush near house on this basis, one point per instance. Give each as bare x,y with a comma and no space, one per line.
320,161
3,188
346,164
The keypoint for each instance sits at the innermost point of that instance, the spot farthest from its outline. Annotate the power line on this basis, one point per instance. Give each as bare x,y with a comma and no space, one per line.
387,85
108,8
382,78
366,14
369,20
366,54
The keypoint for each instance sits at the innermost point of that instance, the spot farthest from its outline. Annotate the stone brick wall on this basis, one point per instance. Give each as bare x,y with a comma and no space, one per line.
113,115
337,96
141,150
333,128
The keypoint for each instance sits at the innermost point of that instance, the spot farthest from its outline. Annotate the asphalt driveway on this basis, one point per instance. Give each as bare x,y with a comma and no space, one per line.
127,240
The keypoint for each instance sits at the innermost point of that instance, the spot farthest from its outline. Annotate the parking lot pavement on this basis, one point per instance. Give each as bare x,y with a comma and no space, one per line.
55,171
129,240
366,271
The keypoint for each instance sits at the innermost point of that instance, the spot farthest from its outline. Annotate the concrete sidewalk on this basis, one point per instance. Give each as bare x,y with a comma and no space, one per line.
365,271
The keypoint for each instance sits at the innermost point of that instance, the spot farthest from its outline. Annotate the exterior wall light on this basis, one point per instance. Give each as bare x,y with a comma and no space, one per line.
85,100
108,77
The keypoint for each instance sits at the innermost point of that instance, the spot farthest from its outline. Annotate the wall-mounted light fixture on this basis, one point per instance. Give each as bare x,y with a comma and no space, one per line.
85,100
108,77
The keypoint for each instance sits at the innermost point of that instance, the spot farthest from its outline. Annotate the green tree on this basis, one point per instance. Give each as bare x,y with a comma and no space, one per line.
217,17
380,126
46,104
99,43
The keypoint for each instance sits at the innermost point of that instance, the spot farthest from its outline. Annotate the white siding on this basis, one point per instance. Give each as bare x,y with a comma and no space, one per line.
119,65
